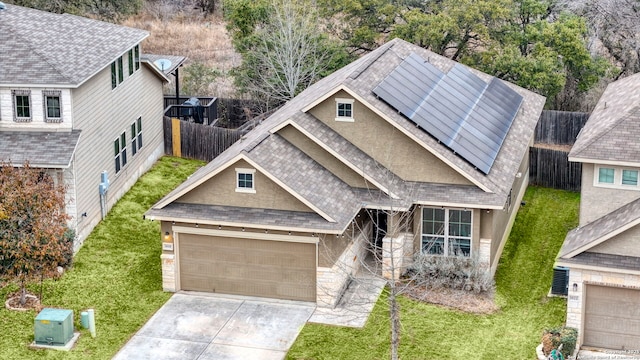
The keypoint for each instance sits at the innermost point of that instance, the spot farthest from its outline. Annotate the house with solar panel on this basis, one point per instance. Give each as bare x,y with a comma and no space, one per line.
600,259
79,100
403,150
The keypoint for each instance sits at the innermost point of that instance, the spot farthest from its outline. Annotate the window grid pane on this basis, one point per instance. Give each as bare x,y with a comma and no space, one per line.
123,152
344,110
116,153
120,70
605,175
245,180
455,241
134,147
433,245
137,56
53,106
139,132
22,106
629,177
114,76
130,62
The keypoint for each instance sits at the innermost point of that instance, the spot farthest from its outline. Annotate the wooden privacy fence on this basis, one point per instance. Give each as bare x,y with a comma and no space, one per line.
196,141
552,168
559,127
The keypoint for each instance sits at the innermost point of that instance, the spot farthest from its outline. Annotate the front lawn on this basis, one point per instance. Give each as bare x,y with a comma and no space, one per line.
429,332
117,272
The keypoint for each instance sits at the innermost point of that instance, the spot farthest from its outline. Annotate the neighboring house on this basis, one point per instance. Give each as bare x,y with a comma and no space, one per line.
286,211
77,99
603,253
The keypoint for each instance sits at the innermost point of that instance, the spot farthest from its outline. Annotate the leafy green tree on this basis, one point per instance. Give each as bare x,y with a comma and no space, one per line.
197,79
32,225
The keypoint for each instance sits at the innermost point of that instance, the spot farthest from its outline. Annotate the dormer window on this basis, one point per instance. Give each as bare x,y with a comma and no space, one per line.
52,106
245,181
21,105
344,110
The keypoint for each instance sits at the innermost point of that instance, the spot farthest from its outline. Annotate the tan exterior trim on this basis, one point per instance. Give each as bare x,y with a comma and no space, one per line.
559,262
459,205
403,130
247,235
604,162
602,239
335,154
245,225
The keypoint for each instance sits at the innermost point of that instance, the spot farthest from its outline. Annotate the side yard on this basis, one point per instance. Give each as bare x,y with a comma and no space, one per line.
523,280
117,272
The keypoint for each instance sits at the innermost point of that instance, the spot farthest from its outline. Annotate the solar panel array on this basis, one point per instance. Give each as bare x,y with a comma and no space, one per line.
467,114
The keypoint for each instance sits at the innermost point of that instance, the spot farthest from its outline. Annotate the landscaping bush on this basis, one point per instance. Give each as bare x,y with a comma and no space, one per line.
554,337
454,272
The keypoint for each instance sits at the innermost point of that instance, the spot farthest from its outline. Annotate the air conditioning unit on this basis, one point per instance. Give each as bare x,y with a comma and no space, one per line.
54,327
560,284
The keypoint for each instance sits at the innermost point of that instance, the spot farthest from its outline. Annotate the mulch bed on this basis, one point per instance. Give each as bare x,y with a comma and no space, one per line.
455,299
32,302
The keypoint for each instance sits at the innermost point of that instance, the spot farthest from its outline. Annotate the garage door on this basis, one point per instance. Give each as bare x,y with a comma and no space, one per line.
275,269
612,318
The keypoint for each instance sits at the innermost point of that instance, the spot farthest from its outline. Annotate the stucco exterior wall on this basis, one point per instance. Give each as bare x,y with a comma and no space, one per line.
388,145
595,201
576,299
625,244
324,158
102,114
221,190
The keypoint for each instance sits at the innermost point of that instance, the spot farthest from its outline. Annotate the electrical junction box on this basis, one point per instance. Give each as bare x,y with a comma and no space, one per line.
54,327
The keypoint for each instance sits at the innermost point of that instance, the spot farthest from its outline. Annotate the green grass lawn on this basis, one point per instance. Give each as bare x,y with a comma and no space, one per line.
523,279
117,272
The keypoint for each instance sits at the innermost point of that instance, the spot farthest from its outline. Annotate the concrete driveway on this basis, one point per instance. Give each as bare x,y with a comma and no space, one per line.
194,326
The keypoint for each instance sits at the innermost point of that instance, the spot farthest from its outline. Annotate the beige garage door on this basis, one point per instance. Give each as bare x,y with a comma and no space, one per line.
275,269
612,318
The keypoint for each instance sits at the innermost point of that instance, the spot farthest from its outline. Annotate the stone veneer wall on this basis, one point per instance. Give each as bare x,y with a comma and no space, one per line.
398,249
168,272
582,277
333,281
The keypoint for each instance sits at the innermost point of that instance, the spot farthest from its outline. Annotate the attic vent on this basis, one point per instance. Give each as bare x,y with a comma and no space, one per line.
560,285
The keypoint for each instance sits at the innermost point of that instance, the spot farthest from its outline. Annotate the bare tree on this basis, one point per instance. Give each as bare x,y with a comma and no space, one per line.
285,55
615,26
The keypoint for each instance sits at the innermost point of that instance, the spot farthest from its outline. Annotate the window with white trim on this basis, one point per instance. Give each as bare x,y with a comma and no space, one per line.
120,151
616,177
52,106
344,109
136,55
446,231
245,180
130,62
21,105
136,136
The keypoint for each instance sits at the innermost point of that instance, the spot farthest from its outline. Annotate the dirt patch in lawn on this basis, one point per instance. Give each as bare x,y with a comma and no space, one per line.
32,302
455,299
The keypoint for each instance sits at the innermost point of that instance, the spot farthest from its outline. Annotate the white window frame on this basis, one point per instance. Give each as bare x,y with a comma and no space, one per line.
617,177
51,94
120,156
446,235
136,136
29,106
244,171
340,101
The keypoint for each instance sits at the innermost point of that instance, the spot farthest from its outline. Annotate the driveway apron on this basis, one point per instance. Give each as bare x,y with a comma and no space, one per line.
203,327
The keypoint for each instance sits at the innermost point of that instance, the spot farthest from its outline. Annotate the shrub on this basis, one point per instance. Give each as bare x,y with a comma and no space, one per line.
454,272
554,337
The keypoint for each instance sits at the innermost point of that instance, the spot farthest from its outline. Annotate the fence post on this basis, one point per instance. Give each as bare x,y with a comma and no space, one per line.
175,137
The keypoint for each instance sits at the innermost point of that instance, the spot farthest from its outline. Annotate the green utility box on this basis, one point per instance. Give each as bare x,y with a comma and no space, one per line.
54,327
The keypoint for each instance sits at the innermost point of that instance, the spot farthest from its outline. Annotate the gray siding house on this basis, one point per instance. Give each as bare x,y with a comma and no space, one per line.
354,165
77,98
603,253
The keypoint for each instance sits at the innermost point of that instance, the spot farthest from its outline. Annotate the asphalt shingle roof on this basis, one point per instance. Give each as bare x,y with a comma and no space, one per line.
42,48
606,260
41,149
613,128
595,231
318,186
